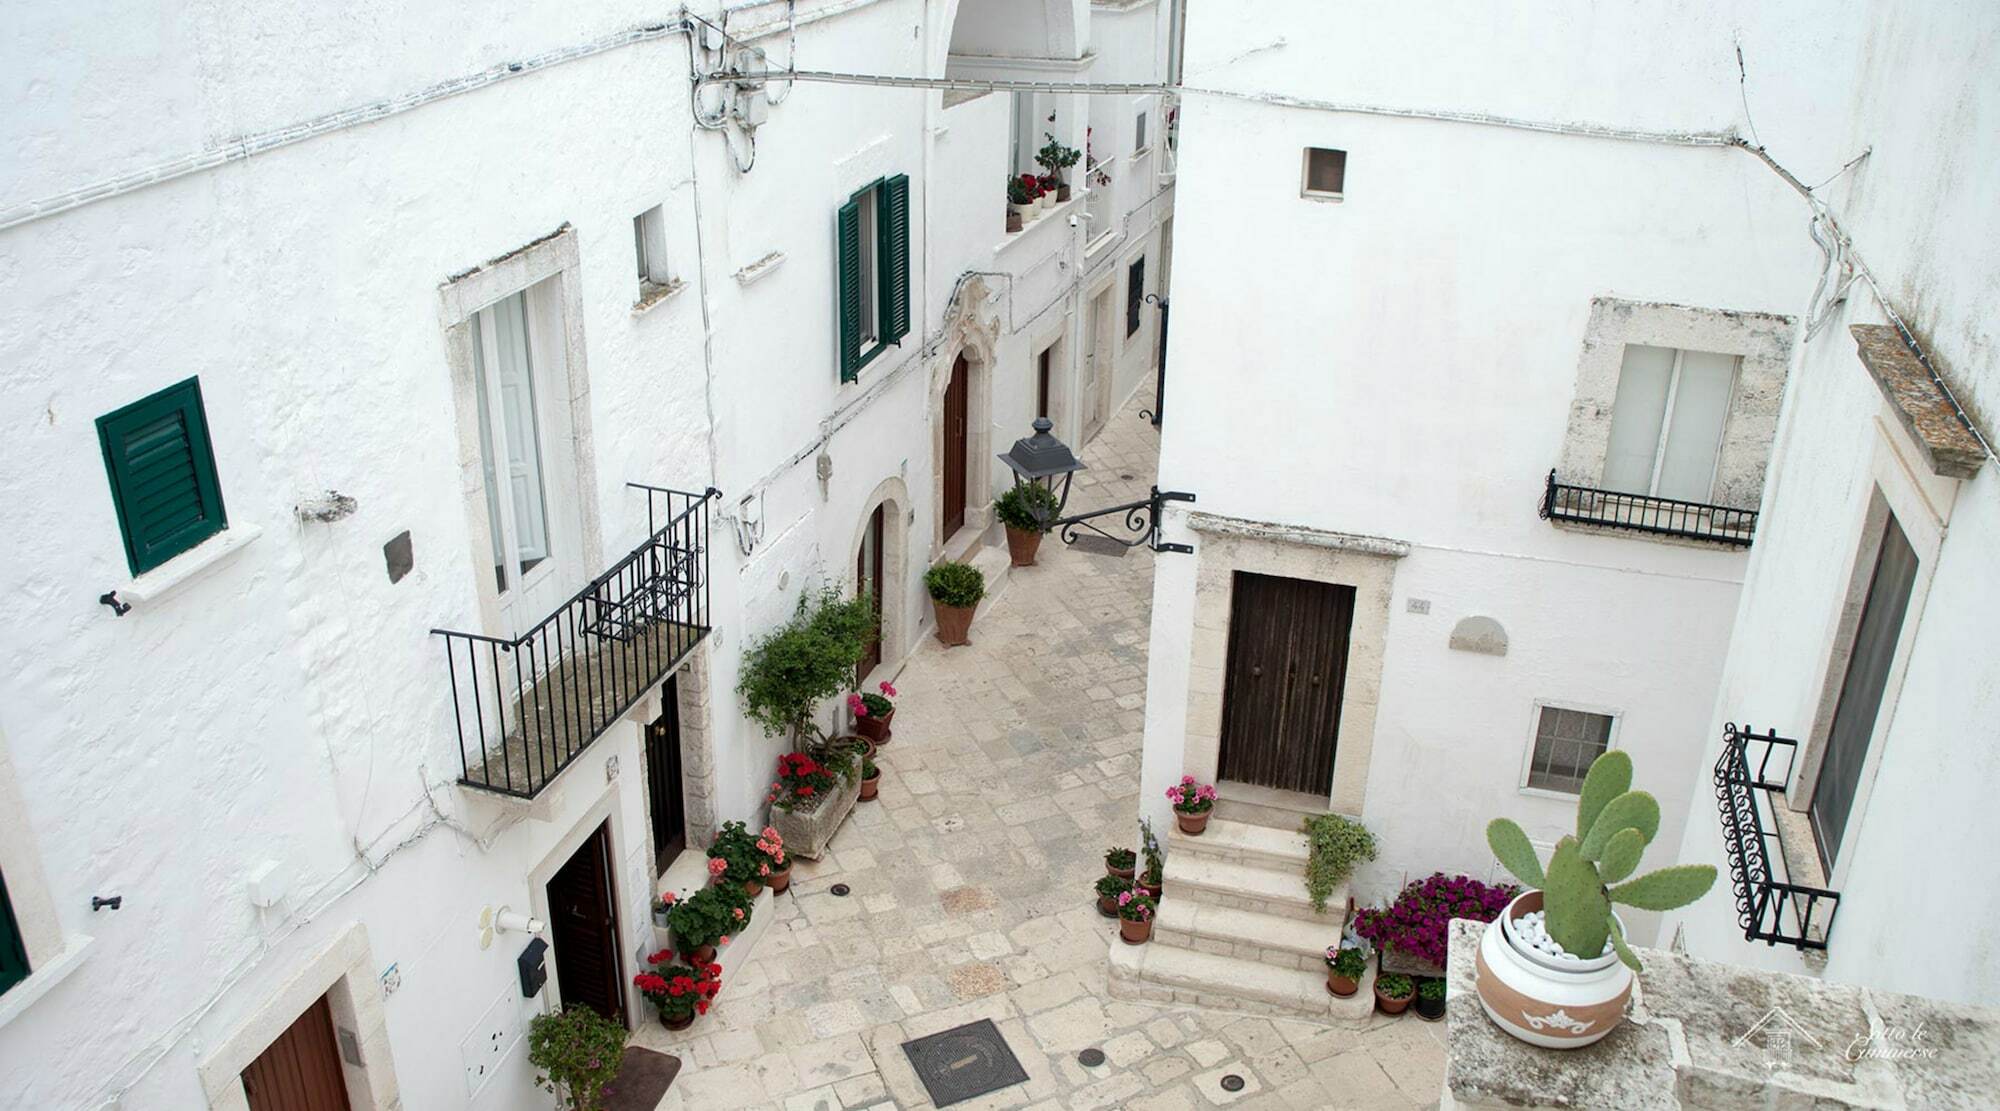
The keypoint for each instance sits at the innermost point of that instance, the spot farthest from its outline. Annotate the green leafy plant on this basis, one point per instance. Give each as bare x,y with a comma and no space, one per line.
576,1053
678,990
801,664
1110,887
954,584
737,848
1156,858
1394,985
709,916
1337,844
1346,961
869,770
1431,989
1588,872
1136,906
1121,859
1055,157
1017,191
1027,507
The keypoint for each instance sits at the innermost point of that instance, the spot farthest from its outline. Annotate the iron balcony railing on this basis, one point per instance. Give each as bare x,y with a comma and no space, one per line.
1771,910
526,707
1587,505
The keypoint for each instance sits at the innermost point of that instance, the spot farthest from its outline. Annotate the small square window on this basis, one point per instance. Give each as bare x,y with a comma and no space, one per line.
649,246
1325,173
1139,133
1566,742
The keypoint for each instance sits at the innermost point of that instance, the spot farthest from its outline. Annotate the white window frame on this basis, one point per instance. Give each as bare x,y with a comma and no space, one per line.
1141,140
1667,420
1617,717
1305,176
52,954
869,267
649,245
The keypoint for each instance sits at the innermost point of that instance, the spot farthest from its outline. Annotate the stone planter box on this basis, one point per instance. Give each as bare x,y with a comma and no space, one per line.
1395,960
807,833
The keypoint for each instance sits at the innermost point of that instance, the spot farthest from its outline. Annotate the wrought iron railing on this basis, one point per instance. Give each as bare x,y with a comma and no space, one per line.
527,706
1771,910
1587,505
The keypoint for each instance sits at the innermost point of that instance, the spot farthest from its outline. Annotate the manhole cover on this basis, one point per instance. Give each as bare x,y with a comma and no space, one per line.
964,1062
840,889
1098,545
1090,1058
1232,1083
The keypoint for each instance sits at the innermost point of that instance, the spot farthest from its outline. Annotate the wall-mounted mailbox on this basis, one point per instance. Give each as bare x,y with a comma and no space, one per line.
534,969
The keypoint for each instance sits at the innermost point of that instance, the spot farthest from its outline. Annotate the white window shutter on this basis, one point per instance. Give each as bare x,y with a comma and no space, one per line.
1636,417
1701,406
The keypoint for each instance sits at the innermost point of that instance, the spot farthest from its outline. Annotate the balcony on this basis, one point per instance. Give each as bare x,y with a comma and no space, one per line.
1770,910
526,707
1584,505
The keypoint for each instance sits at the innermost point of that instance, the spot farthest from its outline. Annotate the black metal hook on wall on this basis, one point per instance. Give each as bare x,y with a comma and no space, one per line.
99,902
118,608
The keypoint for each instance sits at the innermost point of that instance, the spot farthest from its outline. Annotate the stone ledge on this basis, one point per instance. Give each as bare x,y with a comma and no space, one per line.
1703,1034
1218,524
1948,445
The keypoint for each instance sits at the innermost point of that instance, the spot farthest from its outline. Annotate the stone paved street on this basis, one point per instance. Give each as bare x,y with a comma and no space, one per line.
1013,766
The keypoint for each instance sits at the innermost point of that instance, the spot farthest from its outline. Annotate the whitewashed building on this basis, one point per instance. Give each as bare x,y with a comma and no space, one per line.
337,347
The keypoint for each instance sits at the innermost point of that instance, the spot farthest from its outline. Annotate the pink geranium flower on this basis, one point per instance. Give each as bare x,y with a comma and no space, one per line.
856,706
887,689
717,866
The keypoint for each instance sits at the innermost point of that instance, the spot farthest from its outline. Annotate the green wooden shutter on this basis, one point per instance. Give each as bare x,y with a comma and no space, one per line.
893,234
849,234
13,953
162,471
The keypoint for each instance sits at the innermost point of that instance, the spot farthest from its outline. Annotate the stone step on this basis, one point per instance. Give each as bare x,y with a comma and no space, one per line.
1245,887
1228,932
1278,811
993,562
1165,973
1243,843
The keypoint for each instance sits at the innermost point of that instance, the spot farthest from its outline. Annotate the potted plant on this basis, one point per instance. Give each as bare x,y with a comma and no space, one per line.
787,677
743,863
873,711
1392,992
776,867
1029,189
576,1053
1120,863
1108,890
1192,804
1055,158
871,779
1430,999
702,921
1153,879
678,991
1557,971
1014,221
663,904
955,590
1344,968
1336,844
1028,509
1135,917
1417,926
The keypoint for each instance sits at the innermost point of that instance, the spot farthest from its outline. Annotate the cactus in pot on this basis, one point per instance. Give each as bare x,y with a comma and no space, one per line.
1593,869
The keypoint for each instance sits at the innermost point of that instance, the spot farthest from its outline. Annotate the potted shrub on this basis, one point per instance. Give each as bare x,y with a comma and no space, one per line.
743,863
1028,510
776,867
1344,968
1054,157
1392,992
1192,804
1108,890
1120,863
1417,926
873,711
702,921
1556,971
1135,917
678,991
1021,205
787,677
576,1053
955,590
1336,844
871,778
1430,999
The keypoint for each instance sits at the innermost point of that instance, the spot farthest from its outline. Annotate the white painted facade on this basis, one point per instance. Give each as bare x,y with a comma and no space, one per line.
288,703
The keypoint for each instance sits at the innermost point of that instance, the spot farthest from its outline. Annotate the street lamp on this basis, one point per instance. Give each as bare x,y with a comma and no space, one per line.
1045,460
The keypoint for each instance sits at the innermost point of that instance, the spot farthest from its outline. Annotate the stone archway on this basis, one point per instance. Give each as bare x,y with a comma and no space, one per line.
970,333
893,498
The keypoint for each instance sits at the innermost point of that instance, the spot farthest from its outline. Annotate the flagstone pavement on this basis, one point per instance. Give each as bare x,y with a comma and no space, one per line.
1013,765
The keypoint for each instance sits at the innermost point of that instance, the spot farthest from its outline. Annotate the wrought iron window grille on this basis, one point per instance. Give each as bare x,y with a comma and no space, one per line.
1771,910
1587,505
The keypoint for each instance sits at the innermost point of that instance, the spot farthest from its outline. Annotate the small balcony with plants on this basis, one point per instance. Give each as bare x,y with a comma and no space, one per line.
1033,196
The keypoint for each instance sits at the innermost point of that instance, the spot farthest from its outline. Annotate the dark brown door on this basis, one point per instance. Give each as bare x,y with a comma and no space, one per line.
1287,668
583,929
954,448
1042,382
301,1070
868,580
663,778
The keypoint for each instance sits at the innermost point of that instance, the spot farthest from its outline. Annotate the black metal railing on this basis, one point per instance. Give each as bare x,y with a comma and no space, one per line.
1587,505
525,707
1771,910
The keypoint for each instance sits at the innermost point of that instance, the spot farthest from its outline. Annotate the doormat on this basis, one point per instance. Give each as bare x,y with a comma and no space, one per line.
1099,545
964,1063
643,1079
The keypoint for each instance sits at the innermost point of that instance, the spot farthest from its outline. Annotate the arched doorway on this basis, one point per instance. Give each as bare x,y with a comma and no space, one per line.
957,445
881,561
868,581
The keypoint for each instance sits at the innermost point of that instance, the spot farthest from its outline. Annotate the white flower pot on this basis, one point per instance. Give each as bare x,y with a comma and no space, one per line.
1027,211
1546,1001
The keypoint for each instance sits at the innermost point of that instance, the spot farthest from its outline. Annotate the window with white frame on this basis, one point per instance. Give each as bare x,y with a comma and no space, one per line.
1566,742
510,438
1139,136
1666,424
649,248
1324,174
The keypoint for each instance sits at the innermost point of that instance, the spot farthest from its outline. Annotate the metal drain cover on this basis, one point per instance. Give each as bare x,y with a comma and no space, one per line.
1098,545
964,1063
840,889
1232,1083
1090,1058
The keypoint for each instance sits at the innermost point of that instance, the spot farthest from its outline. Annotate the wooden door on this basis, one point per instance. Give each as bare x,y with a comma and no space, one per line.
1096,365
1042,367
663,778
955,443
583,929
301,1070
1282,688
868,580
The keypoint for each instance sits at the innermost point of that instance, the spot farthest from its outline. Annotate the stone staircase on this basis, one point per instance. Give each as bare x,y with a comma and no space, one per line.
1236,931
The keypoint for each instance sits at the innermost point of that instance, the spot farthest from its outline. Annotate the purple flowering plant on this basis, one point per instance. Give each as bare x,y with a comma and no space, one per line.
1419,921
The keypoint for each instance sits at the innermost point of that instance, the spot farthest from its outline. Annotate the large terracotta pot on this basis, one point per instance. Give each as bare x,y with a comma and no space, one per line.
1193,824
1107,905
953,623
703,955
1390,1006
1340,985
778,881
874,728
1543,1001
1022,544
869,786
1134,933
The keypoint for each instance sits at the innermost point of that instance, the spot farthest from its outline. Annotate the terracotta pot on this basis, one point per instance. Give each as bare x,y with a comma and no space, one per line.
778,881
1022,544
1390,1006
1155,892
1193,824
752,887
874,728
1135,933
953,623
1557,1004
1340,985
1121,873
1013,220
702,955
869,786
1107,905
680,1023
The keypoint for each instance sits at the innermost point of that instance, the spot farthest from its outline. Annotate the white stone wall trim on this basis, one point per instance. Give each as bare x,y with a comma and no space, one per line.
189,566
1216,524
42,978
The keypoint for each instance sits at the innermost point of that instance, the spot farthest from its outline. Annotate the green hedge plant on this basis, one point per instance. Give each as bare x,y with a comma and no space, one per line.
1027,507
790,673
1337,844
953,584
576,1053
